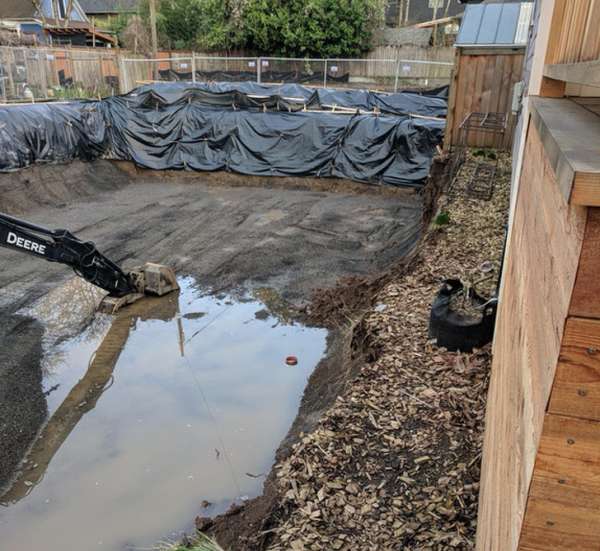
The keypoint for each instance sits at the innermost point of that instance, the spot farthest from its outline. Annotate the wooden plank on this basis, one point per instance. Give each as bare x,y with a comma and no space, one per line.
489,88
551,88
586,295
590,48
576,389
450,118
573,439
553,49
571,473
564,501
586,189
459,111
541,539
560,490
541,264
564,35
554,526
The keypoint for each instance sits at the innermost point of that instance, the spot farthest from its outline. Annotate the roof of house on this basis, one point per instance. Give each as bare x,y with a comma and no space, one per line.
17,9
38,9
495,24
108,6
401,36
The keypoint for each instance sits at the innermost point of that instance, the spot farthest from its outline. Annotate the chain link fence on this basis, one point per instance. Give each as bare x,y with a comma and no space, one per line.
375,74
35,74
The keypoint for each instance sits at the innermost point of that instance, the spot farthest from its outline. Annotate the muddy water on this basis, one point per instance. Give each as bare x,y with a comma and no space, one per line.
173,408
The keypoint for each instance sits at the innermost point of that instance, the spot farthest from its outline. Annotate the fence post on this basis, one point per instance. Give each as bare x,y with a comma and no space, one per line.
193,66
325,75
397,75
72,64
122,75
258,69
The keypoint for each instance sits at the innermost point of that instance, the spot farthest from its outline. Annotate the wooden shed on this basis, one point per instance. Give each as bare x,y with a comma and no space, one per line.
490,49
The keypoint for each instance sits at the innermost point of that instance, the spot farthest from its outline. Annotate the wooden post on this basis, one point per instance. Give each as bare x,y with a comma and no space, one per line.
397,75
448,134
122,75
154,38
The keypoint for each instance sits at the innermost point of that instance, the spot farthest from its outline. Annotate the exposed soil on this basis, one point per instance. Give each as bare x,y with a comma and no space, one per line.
22,404
225,236
394,463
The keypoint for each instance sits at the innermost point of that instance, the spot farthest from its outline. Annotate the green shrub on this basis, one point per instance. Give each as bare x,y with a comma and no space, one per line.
296,28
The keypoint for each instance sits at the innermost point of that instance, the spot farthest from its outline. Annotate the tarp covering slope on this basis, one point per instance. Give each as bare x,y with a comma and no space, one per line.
241,127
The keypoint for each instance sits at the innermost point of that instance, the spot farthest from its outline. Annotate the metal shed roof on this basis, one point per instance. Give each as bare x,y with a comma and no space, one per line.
495,24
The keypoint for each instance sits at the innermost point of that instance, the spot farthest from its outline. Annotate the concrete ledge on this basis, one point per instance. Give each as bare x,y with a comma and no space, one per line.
585,72
570,134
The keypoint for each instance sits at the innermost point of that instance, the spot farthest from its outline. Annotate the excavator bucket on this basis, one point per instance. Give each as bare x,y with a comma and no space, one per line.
156,279
149,279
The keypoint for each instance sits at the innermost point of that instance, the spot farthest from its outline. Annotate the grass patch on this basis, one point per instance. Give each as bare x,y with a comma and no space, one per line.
442,219
200,543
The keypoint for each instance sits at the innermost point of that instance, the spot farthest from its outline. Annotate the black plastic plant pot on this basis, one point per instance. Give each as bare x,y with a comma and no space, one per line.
455,330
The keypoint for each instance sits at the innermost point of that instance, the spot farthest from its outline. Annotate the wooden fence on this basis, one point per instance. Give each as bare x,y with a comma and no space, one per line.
45,73
92,72
483,82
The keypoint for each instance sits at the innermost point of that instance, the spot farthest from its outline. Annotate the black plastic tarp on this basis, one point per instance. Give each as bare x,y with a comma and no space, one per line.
237,128
243,76
293,97
50,132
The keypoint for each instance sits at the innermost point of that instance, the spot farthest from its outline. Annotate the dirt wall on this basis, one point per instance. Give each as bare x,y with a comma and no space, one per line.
55,185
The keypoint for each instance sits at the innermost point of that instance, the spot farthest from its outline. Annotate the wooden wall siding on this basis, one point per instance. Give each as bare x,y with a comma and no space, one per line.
540,271
564,499
483,83
574,34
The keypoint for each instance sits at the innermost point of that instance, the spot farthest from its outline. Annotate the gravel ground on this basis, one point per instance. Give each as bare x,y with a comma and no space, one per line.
394,464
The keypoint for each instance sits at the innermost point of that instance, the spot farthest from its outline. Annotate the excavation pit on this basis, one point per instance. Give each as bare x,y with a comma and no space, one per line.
297,198
142,455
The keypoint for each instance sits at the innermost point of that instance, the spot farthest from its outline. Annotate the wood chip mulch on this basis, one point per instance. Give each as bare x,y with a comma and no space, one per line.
394,464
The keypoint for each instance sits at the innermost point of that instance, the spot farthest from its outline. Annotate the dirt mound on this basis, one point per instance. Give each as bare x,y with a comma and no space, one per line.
57,185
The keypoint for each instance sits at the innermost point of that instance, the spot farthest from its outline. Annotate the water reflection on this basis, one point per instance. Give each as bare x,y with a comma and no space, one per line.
185,399
85,394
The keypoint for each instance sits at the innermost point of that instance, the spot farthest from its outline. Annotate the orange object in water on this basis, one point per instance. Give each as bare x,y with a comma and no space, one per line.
291,360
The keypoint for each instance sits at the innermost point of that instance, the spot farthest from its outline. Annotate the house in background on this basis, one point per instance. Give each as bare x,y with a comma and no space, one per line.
103,13
53,22
401,13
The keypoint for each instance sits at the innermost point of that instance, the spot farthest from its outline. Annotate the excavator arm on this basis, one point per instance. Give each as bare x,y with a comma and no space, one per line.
63,247
82,256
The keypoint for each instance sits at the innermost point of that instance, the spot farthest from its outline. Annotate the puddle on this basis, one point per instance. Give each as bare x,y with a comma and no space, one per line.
174,403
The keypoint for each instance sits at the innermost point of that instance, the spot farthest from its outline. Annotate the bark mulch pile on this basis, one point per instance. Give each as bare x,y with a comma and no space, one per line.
394,464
